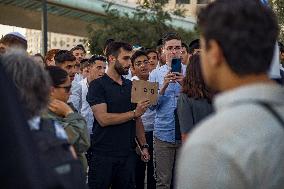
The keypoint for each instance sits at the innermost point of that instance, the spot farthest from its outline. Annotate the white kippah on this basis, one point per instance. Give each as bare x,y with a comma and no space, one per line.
18,35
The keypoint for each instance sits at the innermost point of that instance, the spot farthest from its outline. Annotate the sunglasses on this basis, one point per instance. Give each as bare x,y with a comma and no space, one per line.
67,88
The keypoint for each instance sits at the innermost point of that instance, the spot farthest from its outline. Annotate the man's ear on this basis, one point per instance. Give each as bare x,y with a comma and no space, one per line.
111,58
215,53
52,90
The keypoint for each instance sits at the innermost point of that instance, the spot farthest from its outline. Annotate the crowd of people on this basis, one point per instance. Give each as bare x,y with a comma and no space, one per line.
218,122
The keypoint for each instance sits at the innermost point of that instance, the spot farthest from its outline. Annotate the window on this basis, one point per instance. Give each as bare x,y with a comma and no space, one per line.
182,1
203,1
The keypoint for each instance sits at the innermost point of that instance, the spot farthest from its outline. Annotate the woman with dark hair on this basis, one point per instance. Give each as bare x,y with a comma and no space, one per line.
58,110
194,103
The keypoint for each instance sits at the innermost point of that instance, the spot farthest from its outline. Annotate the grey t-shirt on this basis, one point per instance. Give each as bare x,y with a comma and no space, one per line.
240,146
190,111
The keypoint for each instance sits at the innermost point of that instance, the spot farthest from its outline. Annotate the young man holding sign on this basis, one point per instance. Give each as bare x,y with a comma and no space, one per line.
140,64
116,124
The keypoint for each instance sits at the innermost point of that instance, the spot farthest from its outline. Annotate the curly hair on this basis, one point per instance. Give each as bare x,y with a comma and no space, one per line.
50,54
193,83
31,80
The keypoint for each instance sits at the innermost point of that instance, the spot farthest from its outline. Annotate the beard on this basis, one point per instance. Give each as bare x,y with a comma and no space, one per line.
120,69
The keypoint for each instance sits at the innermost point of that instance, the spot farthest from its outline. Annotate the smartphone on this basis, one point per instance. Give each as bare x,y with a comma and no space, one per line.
176,65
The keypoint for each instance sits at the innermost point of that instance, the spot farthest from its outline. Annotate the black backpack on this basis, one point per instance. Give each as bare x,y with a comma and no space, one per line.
56,154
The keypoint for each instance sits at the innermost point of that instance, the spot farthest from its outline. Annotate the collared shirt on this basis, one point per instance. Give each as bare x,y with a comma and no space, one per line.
75,96
78,77
129,75
183,69
164,127
84,108
240,146
112,140
148,118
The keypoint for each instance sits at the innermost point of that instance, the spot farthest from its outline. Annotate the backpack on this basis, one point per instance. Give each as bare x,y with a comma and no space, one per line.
56,154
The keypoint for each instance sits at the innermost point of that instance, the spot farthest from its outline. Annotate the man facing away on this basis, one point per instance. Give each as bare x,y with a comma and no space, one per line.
241,146
116,124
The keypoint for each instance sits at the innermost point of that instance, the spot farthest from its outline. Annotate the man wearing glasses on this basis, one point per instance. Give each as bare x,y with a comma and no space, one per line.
140,65
167,137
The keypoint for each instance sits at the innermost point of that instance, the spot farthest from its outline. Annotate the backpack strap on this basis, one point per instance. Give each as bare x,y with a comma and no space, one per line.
47,125
272,111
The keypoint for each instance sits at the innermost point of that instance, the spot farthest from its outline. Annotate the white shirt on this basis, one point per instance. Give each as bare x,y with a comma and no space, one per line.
85,109
183,69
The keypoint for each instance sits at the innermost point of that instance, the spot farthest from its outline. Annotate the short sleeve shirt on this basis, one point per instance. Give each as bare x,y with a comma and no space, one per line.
113,140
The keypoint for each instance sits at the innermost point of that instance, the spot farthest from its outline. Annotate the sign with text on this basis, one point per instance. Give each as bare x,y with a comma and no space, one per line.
142,90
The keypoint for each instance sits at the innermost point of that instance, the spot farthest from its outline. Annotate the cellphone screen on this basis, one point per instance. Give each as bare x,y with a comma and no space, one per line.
176,65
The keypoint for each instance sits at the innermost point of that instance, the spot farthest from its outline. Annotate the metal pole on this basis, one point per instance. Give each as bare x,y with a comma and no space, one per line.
44,28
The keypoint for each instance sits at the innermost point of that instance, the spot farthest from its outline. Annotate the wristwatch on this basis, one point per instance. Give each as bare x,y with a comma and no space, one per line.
145,146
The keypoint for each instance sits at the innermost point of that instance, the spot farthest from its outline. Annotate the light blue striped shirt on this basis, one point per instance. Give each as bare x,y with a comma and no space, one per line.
164,126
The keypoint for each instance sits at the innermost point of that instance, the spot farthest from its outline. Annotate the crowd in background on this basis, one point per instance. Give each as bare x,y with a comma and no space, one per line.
218,121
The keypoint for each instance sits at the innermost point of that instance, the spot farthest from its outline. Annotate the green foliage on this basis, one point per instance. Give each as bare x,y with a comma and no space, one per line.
278,6
145,27
179,12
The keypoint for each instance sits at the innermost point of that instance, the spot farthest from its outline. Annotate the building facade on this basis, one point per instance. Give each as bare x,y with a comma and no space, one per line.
55,41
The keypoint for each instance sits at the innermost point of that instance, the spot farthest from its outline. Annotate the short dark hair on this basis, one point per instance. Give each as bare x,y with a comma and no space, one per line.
170,36
160,42
78,47
136,55
193,82
58,75
62,56
185,46
246,31
151,51
94,58
14,41
195,44
108,41
114,48
84,63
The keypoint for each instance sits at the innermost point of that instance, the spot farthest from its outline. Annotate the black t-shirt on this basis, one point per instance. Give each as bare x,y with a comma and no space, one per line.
114,140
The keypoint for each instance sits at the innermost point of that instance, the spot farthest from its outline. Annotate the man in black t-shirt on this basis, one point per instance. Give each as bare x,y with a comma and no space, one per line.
116,124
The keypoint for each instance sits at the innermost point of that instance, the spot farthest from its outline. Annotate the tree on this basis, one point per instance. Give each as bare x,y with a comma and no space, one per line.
278,7
145,27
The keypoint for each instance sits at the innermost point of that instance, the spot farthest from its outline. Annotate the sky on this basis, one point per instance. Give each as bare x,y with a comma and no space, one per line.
4,29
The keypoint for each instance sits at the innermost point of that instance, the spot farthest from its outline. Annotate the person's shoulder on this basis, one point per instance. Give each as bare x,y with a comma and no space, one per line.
207,130
83,82
127,81
99,81
183,96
